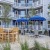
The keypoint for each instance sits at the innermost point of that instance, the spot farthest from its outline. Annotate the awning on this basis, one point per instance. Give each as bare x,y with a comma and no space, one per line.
37,18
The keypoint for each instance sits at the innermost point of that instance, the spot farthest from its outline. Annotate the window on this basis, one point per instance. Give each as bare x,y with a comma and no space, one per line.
35,0
39,2
40,10
48,24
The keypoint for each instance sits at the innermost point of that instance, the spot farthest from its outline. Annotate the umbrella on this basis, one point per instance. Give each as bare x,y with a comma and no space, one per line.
22,20
37,18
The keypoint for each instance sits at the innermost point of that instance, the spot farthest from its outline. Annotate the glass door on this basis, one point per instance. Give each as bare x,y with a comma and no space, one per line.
21,1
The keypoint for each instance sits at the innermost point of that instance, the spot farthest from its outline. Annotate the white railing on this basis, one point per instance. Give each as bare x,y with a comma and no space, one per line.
9,26
21,16
23,4
38,3
41,14
8,1
18,16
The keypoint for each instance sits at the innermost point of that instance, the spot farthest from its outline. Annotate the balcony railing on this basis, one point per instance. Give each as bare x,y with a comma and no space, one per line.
8,1
38,3
23,4
41,14
9,26
35,4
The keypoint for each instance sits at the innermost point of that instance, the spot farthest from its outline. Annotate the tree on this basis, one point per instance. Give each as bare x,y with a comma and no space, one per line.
6,15
32,12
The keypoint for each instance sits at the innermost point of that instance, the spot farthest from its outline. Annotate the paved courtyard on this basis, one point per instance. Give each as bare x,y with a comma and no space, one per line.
43,40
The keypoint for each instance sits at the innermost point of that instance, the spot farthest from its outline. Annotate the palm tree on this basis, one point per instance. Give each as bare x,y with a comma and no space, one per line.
32,12
6,15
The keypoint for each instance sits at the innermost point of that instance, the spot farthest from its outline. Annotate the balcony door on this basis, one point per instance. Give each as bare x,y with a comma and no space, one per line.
22,13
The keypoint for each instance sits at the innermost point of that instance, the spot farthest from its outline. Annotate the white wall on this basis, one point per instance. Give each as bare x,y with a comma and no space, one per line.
45,13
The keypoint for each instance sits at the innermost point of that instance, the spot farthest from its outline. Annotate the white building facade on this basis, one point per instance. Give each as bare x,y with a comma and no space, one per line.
20,8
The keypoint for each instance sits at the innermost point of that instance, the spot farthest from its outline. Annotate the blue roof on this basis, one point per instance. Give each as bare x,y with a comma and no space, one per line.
22,20
37,18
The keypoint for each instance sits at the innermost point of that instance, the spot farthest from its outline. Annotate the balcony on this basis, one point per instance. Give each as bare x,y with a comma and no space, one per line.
28,5
38,4
22,5
17,16
41,14
7,1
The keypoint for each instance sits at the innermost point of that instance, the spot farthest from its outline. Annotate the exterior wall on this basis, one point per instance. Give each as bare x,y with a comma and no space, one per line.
36,5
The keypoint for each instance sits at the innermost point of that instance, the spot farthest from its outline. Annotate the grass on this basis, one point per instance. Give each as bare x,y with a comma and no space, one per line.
7,46
37,46
24,46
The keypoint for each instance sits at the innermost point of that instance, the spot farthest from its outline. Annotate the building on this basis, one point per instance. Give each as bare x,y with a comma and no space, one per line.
20,8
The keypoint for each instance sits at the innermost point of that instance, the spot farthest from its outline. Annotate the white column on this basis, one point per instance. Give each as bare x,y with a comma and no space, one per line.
36,29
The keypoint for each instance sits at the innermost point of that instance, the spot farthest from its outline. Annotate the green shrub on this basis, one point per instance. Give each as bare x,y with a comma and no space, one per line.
37,46
6,47
24,46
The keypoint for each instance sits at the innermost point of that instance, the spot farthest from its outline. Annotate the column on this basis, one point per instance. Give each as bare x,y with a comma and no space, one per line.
17,14
36,29
26,13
